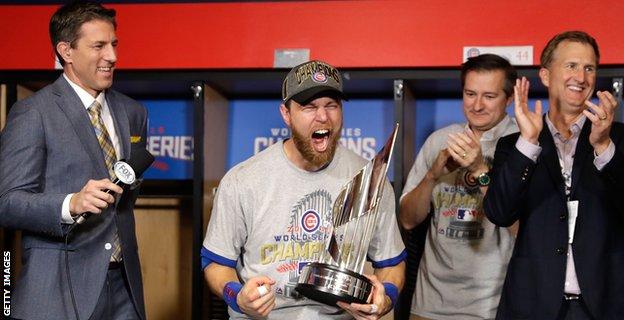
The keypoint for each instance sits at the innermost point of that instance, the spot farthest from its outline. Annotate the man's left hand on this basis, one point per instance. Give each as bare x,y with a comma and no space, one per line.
380,303
601,116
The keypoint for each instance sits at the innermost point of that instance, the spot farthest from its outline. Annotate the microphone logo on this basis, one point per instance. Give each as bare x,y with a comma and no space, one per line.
124,172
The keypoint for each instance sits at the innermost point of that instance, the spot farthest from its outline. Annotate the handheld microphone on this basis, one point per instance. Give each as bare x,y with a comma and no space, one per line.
126,172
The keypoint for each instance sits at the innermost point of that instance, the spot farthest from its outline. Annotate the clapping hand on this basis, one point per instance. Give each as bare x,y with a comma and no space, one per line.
529,122
601,116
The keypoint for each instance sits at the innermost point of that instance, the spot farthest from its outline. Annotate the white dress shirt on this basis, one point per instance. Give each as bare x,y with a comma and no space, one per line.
87,99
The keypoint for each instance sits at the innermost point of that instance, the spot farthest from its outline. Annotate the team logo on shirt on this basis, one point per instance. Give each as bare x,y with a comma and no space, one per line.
460,217
310,221
301,241
466,214
465,225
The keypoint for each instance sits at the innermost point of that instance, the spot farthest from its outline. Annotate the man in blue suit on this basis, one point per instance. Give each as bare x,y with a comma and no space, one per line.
56,153
562,178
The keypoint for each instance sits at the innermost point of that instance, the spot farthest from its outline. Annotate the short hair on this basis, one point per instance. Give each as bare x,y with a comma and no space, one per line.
288,104
66,22
491,62
573,36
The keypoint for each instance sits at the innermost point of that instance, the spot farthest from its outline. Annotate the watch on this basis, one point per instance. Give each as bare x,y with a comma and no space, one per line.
483,179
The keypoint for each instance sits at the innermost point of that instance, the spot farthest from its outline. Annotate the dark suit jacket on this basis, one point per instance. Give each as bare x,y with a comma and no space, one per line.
48,149
534,194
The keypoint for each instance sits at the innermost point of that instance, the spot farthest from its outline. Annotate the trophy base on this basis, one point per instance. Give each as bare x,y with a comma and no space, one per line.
329,284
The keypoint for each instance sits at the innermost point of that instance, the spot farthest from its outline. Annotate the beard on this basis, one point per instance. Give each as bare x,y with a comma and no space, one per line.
315,159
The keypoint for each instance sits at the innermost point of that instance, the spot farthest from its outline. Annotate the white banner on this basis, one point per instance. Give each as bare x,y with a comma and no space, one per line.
517,55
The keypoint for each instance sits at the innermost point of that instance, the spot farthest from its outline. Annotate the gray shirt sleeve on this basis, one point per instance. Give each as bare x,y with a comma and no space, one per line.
226,233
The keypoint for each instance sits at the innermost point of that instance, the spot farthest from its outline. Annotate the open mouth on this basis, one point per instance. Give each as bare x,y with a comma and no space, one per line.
578,93
576,88
105,69
320,139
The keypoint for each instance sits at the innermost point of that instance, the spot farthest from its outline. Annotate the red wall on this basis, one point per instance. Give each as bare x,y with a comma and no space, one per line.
345,33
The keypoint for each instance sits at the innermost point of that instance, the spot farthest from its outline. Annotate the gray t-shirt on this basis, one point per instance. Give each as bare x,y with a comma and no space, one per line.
269,217
463,267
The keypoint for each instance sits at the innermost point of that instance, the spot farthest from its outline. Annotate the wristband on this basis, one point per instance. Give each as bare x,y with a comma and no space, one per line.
230,292
392,292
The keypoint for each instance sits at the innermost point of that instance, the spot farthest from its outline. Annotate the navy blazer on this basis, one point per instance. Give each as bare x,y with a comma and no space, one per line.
48,149
534,194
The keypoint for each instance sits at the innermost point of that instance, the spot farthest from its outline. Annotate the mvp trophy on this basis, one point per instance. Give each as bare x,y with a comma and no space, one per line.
337,275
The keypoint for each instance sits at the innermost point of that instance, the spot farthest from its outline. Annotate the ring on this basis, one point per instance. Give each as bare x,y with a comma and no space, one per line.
262,290
373,309
463,155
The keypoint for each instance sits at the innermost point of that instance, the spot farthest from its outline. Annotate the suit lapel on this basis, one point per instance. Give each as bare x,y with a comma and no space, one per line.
551,160
69,102
120,119
583,150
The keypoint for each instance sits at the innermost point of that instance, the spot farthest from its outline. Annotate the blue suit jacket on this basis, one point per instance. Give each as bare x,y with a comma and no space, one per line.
48,149
534,194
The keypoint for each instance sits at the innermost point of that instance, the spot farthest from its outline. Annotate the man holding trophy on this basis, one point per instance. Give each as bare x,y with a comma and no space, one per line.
273,215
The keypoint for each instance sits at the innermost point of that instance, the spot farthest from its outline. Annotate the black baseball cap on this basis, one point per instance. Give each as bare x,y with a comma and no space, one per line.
311,80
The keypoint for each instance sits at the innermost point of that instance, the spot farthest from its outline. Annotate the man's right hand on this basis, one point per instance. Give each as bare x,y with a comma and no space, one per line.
530,123
255,301
93,198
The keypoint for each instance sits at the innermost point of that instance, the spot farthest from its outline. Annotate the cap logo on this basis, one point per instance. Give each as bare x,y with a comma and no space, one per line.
319,77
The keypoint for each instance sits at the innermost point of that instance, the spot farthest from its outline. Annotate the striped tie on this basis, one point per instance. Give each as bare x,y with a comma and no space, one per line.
95,112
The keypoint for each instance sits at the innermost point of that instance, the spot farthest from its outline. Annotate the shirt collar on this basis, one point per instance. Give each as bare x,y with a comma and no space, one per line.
86,98
575,128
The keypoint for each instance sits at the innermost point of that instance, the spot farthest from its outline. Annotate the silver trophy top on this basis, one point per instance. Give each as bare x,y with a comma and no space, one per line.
355,212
